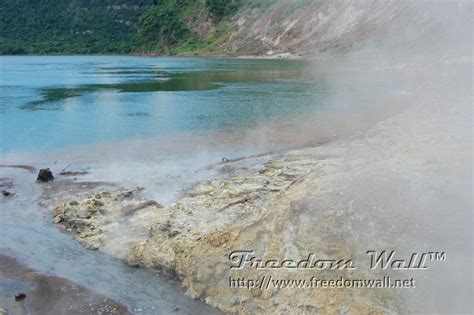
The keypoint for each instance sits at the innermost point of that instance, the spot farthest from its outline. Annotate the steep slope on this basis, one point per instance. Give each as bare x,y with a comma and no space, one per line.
204,27
69,26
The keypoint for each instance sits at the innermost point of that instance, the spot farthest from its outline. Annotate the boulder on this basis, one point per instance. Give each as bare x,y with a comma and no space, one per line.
20,297
45,175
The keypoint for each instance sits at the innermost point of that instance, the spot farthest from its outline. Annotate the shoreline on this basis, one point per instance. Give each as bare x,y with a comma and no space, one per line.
173,239
337,200
302,200
337,179
46,294
283,56
51,251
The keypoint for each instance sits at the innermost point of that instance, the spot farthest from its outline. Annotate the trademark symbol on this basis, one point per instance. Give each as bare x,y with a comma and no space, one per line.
437,256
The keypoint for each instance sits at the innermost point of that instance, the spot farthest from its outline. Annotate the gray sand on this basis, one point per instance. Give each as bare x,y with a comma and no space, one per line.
48,294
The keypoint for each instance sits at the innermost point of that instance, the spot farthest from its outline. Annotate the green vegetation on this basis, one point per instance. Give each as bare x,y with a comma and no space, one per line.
114,26
69,26
222,8
162,26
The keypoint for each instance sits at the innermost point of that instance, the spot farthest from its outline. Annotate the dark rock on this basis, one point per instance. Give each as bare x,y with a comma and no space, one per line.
45,175
127,194
173,233
73,173
20,297
97,203
6,193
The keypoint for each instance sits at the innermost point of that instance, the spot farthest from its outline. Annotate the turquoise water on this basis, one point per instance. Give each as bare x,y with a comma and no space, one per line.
159,123
59,101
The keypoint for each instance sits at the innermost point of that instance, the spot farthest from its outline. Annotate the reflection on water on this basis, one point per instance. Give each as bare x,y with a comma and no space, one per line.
158,123
74,110
191,81
56,102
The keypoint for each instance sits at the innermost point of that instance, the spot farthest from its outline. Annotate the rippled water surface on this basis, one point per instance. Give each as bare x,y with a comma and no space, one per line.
59,101
159,123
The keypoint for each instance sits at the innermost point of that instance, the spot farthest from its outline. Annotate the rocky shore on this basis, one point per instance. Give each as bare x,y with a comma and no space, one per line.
336,201
397,186
270,209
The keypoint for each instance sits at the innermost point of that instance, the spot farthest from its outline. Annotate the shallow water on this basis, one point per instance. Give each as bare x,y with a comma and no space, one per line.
160,123
29,235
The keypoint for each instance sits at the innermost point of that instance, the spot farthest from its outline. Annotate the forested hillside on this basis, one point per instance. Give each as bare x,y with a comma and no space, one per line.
189,27
69,26
109,26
